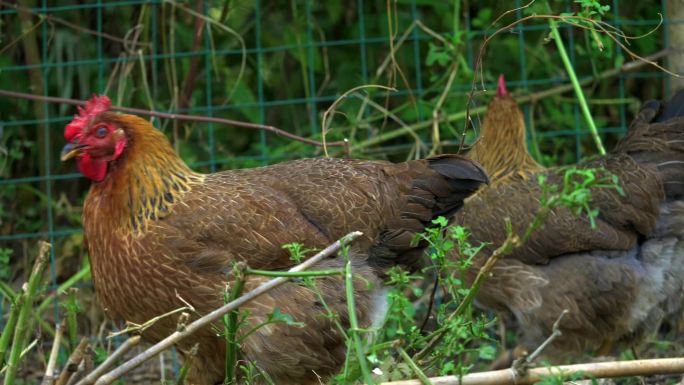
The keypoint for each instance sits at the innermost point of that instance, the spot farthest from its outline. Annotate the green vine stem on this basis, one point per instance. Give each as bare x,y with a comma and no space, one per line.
354,323
25,303
231,322
576,85
9,329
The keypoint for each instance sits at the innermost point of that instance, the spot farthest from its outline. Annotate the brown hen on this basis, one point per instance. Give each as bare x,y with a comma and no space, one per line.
158,232
619,280
501,148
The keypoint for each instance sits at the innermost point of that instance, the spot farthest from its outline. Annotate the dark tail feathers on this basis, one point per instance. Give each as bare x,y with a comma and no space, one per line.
656,137
673,109
463,177
439,190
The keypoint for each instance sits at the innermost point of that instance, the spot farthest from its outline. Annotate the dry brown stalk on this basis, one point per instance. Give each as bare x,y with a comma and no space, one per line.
584,371
110,361
49,378
73,362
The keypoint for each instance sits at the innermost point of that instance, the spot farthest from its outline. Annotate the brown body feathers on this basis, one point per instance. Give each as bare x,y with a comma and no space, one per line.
158,232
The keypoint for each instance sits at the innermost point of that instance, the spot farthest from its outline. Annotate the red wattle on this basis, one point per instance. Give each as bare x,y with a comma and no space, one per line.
95,170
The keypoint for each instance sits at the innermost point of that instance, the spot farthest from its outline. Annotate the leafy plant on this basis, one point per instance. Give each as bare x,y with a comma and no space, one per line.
575,192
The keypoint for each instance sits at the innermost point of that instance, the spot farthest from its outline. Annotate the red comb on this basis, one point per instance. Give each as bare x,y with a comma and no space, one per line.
501,90
93,107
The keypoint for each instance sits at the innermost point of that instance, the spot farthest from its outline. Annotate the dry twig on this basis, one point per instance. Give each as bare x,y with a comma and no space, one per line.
132,327
110,361
85,365
181,117
49,378
73,362
554,334
326,122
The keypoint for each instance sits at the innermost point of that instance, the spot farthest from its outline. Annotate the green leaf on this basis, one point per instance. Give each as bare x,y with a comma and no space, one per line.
437,54
440,221
483,17
277,316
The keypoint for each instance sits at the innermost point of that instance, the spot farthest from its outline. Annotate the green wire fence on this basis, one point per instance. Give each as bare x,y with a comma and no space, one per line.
283,64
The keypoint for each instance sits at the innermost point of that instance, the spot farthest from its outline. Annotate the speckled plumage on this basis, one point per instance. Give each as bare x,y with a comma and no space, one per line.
617,281
160,234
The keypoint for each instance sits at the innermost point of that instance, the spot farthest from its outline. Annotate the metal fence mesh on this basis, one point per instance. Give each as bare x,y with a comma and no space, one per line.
298,57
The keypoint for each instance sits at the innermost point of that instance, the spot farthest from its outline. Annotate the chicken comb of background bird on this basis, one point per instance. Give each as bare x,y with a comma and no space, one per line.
95,106
501,90
501,148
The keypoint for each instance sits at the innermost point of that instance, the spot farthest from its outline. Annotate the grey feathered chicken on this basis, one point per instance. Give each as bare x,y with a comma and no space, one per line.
618,281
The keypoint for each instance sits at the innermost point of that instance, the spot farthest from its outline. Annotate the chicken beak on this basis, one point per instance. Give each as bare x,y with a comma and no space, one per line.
72,150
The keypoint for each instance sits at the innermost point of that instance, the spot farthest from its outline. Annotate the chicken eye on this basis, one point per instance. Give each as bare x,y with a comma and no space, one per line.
101,132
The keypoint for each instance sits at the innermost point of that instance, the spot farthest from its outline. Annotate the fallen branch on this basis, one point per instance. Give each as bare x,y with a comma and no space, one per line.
578,371
215,315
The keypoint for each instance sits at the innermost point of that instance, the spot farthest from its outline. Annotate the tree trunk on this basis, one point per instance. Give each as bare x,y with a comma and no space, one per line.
675,29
